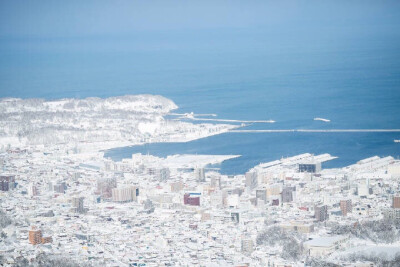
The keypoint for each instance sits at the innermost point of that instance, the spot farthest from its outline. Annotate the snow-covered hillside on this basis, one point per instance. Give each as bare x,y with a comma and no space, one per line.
108,122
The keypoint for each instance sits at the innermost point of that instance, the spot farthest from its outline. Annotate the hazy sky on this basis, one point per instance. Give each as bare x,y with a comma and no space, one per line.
87,18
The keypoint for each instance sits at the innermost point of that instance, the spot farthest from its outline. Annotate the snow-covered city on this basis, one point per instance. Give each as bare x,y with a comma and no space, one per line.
63,202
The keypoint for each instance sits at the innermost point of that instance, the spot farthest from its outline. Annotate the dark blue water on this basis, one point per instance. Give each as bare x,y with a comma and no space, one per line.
347,72
263,147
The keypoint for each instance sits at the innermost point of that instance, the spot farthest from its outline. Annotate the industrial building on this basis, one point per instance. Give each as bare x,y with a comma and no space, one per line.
312,167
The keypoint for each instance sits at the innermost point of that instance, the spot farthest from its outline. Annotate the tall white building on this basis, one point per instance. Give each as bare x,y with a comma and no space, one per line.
363,188
125,194
32,190
77,204
199,174
247,246
216,181
251,180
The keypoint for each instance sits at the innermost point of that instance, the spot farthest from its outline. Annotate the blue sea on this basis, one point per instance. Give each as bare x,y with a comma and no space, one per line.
348,75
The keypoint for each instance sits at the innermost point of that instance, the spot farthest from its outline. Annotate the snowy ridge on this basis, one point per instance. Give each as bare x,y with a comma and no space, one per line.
145,103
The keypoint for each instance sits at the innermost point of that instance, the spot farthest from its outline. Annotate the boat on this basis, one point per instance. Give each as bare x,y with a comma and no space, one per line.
396,141
322,119
189,115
